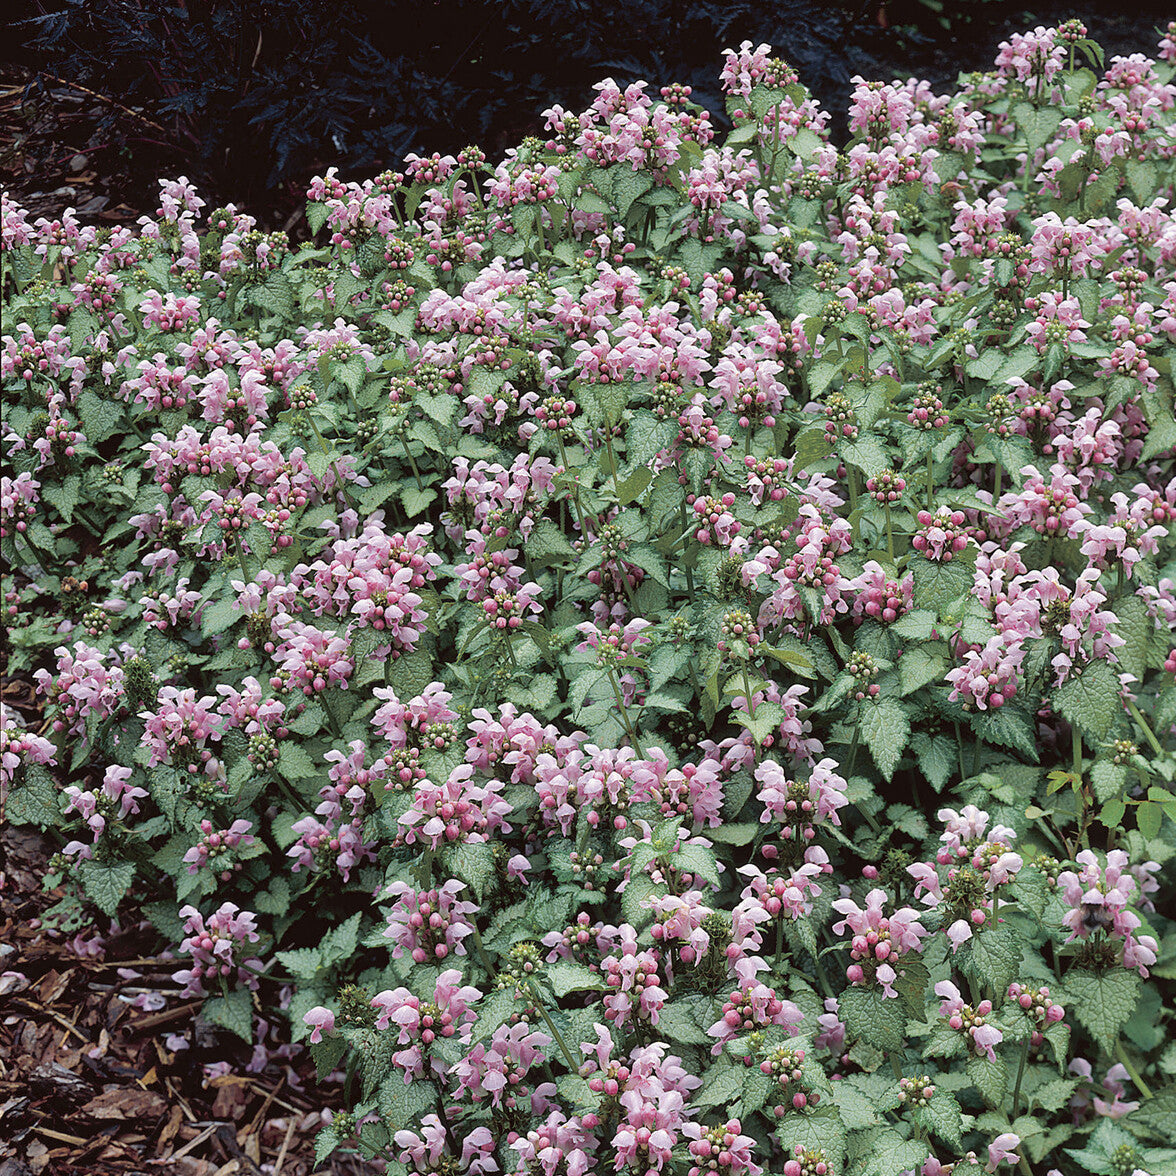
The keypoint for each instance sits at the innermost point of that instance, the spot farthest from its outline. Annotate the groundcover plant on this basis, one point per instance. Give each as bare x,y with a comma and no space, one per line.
655,656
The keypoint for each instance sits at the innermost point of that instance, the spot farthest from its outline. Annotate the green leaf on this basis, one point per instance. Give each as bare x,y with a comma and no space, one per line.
767,718
35,800
992,956
721,1086
65,497
990,1078
1142,175
340,942
866,453
1030,888
890,1154
680,1021
219,616
101,418
631,488
628,184
1091,700
472,862
937,757
920,665
415,501
1108,779
304,963
1137,629
1149,816
885,729
650,560
942,1117
316,216
566,976
873,1018
857,1109
646,436
410,673
606,403
401,1104
1038,123
1102,1001
233,1012
1158,1113
916,625
739,833
799,663
940,585
105,883
1007,726
548,544
327,1140
295,764
819,1130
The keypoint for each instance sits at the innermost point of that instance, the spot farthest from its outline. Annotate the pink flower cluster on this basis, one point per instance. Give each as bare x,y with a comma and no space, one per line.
879,942
1099,897
217,947
419,1023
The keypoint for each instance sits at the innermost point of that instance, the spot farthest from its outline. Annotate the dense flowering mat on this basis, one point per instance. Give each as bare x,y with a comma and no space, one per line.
654,656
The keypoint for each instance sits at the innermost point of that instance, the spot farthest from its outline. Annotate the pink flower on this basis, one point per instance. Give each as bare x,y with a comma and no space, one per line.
964,1019
429,924
878,941
321,1021
1003,1149
420,1024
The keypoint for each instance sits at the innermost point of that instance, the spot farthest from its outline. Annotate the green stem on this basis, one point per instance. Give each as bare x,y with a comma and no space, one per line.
1017,1084
853,499
896,1066
334,468
779,944
889,535
686,528
575,486
996,492
852,752
822,978
482,952
241,557
612,677
960,751
747,692
454,1146
563,1045
1129,1065
408,453
1133,710
869,818
612,457
930,480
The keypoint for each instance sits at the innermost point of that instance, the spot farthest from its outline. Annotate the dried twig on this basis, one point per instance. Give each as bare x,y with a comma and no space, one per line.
107,99
285,1145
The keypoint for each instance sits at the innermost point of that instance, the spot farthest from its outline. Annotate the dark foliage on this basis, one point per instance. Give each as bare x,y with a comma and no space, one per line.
259,93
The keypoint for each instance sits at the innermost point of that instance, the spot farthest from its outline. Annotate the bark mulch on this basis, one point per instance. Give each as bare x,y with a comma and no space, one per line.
88,1083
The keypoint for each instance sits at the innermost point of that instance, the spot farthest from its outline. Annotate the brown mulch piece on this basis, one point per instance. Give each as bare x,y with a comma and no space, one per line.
87,1083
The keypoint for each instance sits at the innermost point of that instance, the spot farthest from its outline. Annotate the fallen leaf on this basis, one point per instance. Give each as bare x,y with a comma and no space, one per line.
125,1104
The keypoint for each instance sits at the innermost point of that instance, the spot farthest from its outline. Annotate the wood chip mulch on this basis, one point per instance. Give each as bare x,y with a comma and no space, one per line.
88,1083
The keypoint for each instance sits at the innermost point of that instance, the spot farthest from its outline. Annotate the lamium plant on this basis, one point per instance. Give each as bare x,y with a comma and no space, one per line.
655,655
